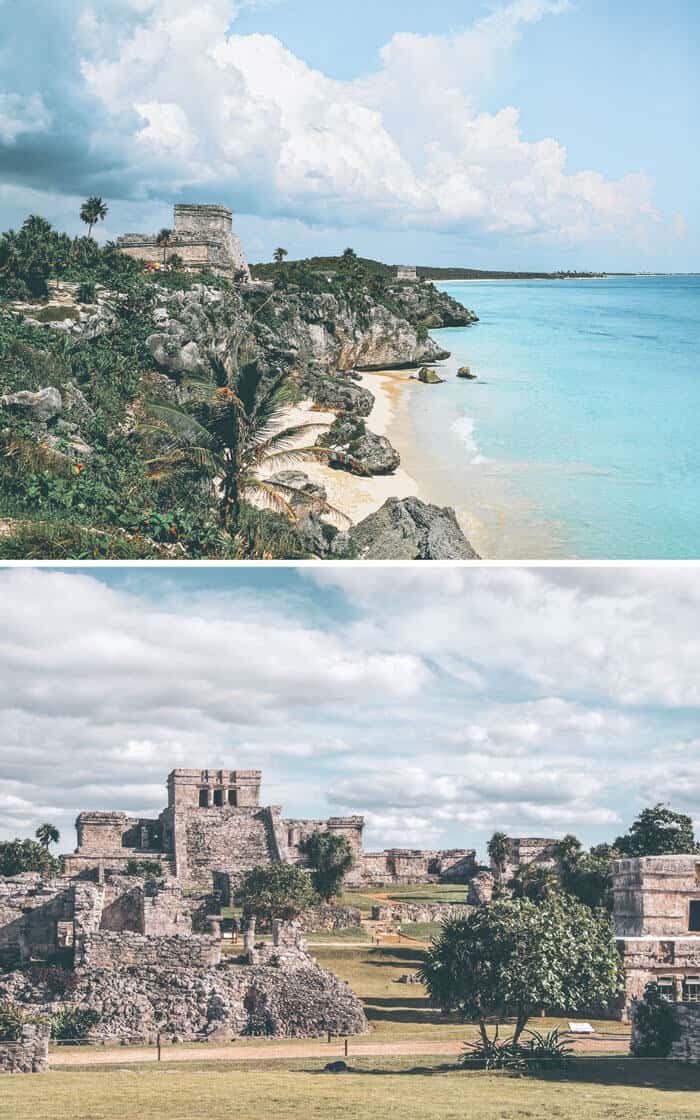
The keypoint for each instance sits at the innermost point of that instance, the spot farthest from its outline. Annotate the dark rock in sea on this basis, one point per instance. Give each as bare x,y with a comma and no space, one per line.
466,373
429,376
409,529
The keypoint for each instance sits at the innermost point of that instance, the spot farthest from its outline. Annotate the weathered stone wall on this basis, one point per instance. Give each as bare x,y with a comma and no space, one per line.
40,918
426,912
329,917
481,888
278,998
670,960
687,1047
409,865
652,895
30,1054
526,850
107,950
203,237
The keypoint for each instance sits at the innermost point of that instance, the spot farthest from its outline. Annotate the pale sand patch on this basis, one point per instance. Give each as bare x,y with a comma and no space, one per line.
355,495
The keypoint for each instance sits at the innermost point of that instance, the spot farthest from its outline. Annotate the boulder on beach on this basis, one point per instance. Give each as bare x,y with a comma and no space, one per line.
466,373
409,529
429,376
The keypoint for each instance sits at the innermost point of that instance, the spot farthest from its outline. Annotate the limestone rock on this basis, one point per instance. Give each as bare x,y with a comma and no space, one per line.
40,406
308,490
481,889
409,529
466,373
429,376
336,393
355,448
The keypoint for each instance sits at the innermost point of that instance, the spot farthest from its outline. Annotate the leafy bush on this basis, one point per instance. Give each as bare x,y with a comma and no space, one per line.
655,1025
17,856
87,292
145,868
539,1052
73,1024
12,1019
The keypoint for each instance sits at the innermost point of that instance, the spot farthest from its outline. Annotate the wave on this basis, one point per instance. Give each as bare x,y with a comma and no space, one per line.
463,427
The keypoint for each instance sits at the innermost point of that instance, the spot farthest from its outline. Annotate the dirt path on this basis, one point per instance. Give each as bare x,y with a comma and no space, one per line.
63,1059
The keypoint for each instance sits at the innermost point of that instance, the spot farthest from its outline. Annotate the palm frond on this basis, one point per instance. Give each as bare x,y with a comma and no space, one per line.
183,425
37,457
270,496
319,504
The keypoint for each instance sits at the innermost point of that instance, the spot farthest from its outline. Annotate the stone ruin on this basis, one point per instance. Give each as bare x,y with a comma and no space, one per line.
30,1053
214,827
528,851
136,959
202,237
656,915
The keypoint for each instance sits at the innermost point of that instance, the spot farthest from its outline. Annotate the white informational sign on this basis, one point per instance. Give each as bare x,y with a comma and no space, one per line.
581,1028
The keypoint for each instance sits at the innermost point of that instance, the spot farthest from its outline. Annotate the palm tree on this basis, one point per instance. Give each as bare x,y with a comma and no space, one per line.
499,849
230,435
164,238
47,834
279,255
93,210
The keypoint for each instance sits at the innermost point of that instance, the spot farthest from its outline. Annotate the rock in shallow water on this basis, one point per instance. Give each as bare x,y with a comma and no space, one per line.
429,376
466,373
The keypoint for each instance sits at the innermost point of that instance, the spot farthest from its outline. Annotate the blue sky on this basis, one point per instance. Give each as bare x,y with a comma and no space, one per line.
520,133
441,703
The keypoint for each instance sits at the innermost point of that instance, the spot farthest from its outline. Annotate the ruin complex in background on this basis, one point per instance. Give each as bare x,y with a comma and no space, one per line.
203,238
214,825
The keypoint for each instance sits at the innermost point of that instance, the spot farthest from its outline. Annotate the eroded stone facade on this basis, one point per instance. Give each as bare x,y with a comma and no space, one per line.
657,923
214,826
30,1053
203,238
527,851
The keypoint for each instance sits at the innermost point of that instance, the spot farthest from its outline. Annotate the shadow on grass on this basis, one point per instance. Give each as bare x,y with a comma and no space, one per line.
634,1073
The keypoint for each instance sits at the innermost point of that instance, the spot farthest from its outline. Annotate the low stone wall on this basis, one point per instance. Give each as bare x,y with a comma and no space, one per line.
687,1048
413,912
30,1054
329,918
134,950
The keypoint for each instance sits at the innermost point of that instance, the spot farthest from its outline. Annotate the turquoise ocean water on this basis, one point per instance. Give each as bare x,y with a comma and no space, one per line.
584,421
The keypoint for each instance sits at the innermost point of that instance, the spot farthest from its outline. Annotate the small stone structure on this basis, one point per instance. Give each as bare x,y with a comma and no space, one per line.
656,914
327,917
408,865
419,912
202,237
30,1053
406,272
528,851
130,950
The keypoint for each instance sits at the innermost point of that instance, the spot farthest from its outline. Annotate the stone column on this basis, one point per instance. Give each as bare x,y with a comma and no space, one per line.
249,936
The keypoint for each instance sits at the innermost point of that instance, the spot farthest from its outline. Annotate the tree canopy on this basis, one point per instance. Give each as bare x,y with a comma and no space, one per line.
277,890
515,957
330,857
47,834
499,850
658,831
17,856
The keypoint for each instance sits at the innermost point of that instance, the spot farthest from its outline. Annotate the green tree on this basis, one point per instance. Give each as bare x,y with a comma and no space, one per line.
278,890
229,434
330,857
17,856
658,831
47,834
498,849
164,239
93,210
515,957
279,255
655,1025
535,882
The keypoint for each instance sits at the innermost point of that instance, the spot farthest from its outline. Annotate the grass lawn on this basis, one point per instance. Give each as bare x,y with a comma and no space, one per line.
409,892
401,1011
387,1089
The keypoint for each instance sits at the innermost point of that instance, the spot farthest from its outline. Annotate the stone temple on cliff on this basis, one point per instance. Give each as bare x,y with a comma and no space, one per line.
214,825
202,237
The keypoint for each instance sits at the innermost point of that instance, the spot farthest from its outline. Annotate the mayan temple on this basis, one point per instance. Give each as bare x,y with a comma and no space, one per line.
202,237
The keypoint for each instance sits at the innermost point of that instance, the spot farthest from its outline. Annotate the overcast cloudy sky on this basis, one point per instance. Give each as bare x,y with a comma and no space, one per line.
529,133
441,703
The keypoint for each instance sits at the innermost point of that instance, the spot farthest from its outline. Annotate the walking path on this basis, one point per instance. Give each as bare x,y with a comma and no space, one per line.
76,1056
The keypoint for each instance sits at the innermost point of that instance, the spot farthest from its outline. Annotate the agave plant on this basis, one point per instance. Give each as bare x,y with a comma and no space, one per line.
534,1051
230,433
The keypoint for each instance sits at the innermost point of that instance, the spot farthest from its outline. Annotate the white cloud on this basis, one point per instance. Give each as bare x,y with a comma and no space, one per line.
407,147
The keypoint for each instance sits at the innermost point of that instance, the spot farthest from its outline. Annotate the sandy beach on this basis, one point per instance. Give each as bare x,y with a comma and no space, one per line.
357,495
